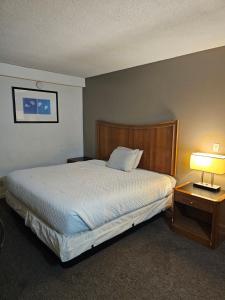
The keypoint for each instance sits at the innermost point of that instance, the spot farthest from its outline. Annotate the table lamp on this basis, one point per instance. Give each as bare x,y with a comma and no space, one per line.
209,163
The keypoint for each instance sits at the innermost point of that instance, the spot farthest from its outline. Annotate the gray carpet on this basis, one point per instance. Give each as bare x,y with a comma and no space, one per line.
149,263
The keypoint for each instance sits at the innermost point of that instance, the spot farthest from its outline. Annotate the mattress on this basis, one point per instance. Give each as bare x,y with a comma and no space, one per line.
73,198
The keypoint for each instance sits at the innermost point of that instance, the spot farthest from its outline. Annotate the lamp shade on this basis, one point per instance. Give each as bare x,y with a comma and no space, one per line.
206,162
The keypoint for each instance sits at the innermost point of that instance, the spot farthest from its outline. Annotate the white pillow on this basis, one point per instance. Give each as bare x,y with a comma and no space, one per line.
138,157
122,159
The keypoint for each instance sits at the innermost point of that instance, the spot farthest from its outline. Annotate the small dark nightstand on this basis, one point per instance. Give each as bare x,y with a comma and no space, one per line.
76,159
199,214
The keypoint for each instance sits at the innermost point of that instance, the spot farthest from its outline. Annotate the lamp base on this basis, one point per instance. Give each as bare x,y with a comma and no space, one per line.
207,186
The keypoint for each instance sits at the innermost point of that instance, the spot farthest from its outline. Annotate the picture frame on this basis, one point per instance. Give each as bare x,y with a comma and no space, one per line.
35,106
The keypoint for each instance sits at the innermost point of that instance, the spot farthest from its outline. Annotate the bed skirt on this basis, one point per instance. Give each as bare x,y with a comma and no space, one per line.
67,247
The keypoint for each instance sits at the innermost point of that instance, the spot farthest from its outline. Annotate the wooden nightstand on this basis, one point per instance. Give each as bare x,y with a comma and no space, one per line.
199,214
76,159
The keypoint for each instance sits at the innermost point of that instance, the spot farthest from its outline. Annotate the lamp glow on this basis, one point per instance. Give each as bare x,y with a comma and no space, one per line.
210,163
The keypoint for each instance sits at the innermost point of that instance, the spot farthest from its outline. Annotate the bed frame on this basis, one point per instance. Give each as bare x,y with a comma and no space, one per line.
159,142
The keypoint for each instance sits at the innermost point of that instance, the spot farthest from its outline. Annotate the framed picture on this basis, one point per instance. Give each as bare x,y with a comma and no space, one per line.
35,106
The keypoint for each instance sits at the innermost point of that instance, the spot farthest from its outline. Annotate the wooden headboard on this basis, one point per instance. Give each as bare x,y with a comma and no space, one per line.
159,142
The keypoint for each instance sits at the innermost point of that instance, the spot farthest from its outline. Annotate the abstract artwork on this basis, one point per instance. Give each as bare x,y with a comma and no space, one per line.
35,106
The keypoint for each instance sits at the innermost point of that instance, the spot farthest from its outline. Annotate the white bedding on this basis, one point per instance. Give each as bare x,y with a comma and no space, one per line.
75,197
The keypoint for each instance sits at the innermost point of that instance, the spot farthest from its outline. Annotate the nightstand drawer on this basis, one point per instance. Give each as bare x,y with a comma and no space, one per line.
193,201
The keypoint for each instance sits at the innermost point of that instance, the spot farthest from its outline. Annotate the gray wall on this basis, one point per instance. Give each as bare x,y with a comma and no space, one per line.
28,145
189,88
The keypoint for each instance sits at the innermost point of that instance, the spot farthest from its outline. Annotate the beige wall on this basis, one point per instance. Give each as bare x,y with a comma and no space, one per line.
190,88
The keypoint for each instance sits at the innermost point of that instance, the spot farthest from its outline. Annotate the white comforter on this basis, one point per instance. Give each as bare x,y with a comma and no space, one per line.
87,190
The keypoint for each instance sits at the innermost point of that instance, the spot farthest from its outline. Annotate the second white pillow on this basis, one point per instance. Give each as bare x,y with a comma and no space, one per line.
138,158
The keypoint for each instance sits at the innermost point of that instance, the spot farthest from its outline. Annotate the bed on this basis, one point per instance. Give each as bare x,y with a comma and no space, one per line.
75,207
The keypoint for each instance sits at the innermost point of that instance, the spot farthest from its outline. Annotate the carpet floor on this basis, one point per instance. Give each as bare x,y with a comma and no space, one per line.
150,262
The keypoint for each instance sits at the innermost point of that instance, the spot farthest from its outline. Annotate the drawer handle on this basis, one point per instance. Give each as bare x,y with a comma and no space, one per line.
191,202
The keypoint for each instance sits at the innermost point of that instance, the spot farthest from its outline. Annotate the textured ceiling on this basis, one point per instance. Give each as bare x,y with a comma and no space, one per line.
91,37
